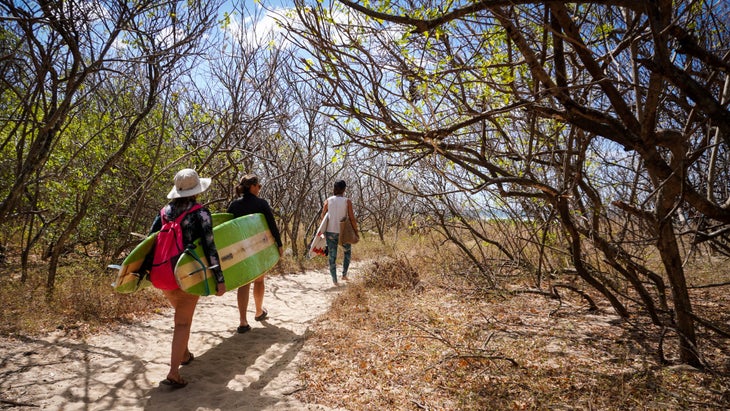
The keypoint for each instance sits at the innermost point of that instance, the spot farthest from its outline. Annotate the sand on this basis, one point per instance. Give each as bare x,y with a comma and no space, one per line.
122,370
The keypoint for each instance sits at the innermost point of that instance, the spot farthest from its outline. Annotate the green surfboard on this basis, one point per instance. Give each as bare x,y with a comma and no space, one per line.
128,280
246,249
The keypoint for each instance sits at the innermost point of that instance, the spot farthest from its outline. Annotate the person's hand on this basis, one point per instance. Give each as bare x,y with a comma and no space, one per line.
220,289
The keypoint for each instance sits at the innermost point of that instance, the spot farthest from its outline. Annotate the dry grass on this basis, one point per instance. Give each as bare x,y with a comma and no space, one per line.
83,300
415,332
406,336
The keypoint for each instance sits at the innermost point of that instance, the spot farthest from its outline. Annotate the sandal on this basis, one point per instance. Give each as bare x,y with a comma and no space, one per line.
190,359
173,383
243,328
262,316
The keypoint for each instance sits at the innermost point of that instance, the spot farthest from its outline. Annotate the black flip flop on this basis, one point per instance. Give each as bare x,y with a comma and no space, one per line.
189,360
262,316
243,328
174,384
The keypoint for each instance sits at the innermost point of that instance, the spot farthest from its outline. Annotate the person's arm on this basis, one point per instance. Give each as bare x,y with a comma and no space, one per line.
233,208
147,263
269,214
352,215
156,225
321,218
210,250
324,210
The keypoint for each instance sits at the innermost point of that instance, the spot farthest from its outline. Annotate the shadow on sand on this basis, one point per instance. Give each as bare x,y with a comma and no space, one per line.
233,374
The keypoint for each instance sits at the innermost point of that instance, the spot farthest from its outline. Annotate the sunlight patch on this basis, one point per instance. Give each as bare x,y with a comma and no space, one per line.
266,367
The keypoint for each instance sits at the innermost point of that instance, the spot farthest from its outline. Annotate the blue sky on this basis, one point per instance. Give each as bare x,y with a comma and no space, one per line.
257,16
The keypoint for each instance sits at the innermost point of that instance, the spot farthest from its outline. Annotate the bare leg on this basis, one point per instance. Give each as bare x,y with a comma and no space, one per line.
258,295
184,305
243,293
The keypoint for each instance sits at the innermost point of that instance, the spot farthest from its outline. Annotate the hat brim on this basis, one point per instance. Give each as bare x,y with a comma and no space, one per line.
203,185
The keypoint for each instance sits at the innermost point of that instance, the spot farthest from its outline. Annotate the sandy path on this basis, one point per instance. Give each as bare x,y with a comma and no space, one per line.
122,370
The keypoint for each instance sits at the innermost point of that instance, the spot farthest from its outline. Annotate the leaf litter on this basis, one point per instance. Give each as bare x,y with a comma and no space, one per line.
399,338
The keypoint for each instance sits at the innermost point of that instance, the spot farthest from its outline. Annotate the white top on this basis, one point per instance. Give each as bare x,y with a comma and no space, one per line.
337,210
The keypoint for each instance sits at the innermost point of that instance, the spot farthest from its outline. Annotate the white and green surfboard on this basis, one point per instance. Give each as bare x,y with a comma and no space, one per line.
128,279
246,248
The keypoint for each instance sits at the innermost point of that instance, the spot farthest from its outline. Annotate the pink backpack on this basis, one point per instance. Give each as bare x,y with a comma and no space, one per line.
168,249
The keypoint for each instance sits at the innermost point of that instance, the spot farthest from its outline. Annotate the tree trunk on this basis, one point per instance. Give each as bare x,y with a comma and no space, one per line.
669,251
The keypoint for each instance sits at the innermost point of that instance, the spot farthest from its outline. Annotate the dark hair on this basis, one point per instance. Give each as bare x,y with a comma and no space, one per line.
247,181
340,186
182,202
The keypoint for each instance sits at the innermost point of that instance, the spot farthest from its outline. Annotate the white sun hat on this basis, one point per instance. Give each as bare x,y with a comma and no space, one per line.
187,183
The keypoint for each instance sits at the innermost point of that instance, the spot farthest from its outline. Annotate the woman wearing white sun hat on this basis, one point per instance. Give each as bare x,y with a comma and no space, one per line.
197,223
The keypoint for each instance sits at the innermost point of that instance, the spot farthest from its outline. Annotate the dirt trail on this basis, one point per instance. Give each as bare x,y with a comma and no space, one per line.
122,370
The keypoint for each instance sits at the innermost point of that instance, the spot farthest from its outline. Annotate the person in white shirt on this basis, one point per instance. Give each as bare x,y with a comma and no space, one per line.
338,206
